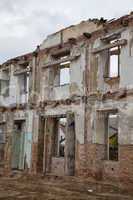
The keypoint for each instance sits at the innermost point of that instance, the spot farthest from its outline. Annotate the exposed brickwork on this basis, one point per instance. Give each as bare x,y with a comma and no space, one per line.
89,160
34,158
111,170
58,166
80,167
95,157
126,162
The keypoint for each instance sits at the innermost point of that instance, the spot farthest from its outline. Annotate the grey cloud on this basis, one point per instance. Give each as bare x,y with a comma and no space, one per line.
25,23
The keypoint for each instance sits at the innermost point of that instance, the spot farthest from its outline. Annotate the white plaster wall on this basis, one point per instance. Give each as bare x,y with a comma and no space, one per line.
60,92
23,98
3,76
13,93
51,40
126,122
44,86
77,68
126,61
35,127
28,136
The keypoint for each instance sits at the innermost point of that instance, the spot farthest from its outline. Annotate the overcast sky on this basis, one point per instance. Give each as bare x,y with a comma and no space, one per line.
26,23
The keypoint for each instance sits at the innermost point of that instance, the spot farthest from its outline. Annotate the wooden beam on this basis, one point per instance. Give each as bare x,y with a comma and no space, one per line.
61,52
52,116
109,46
107,110
112,36
57,62
23,71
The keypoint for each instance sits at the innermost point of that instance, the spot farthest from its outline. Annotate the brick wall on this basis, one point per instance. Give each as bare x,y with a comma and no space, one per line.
58,166
111,170
126,162
34,158
89,160
80,160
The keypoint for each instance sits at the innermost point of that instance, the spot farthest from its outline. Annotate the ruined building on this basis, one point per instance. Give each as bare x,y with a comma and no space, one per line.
67,107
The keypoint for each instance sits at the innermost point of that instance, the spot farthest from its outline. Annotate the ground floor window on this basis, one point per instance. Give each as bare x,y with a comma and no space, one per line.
112,137
2,133
2,141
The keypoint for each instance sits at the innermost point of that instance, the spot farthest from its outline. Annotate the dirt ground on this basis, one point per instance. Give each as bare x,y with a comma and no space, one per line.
58,188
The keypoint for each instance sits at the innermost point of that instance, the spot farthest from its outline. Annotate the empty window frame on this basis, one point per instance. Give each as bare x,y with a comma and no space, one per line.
112,68
64,73
18,126
131,47
24,65
23,83
2,133
112,137
60,137
4,88
114,63
4,83
61,73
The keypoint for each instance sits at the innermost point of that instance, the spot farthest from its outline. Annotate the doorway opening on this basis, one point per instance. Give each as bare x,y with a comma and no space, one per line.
18,145
56,145
60,137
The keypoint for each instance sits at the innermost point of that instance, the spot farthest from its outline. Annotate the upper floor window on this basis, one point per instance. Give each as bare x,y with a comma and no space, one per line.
60,74
114,63
65,73
23,82
4,83
109,53
22,72
2,133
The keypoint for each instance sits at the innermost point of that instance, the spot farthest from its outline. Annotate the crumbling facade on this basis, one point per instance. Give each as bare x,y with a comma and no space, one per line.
67,108
16,116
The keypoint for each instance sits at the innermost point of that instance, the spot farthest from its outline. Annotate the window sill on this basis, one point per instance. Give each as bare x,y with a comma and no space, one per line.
4,95
110,161
58,157
23,93
112,80
63,85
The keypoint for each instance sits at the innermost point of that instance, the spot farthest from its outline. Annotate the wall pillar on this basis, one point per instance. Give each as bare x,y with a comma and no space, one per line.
8,144
70,146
